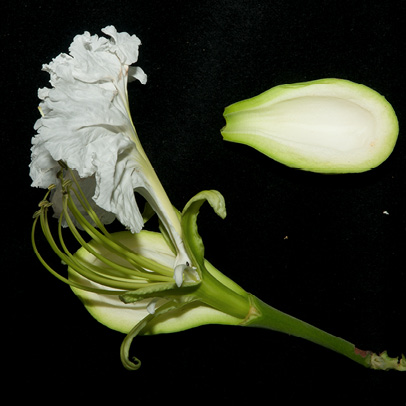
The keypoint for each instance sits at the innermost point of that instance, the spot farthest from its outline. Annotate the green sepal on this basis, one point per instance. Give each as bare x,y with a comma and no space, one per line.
192,239
324,126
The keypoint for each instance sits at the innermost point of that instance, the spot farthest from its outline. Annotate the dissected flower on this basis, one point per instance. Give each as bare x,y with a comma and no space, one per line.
89,158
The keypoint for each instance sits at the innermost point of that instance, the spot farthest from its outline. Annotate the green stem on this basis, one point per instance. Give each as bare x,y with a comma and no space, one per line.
265,316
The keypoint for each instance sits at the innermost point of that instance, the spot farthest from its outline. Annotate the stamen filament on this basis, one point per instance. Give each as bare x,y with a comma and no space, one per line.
88,270
110,280
41,215
85,204
138,261
81,267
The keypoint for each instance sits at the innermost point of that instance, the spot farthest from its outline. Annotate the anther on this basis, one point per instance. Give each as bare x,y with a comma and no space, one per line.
66,183
62,164
44,204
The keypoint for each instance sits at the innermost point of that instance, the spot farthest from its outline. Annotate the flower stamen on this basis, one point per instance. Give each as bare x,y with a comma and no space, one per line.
118,267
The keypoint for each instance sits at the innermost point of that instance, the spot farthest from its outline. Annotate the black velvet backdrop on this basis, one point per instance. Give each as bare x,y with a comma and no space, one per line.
341,266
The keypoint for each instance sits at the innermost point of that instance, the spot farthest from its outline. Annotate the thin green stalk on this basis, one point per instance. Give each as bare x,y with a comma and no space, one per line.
265,316
138,261
103,278
72,262
56,274
86,205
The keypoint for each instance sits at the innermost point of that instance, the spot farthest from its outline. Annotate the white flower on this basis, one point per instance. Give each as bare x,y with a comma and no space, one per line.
86,124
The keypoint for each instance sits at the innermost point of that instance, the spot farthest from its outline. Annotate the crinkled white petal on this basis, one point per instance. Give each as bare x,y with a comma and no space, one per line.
136,73
116,181
85,123
124,45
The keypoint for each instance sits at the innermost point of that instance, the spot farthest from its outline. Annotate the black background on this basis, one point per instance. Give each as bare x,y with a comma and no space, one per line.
341,266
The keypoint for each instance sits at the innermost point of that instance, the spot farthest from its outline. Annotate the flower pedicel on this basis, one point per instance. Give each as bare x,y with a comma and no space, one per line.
87,154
